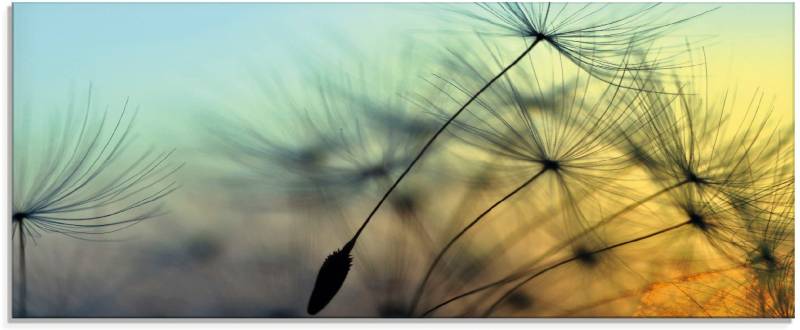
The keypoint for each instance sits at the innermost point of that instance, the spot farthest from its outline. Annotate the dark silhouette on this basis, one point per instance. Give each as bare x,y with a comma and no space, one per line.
330,278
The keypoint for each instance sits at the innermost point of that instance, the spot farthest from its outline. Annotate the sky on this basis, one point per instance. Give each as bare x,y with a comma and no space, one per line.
183,65
158,54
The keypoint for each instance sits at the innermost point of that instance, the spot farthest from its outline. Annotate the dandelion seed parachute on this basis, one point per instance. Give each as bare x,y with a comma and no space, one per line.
343,140
539,35
363,132
79,178
711,165
76,177
568,142
694,139
597,37
711,168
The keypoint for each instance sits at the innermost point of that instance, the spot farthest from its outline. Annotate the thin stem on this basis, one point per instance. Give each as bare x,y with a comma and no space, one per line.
557,248
613,216
566,261
436,135
432,267
23,274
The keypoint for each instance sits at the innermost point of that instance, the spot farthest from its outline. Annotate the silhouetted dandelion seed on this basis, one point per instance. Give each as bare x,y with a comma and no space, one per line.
75,190
693,156
587,34
562,33
355,140
553,141
691,140
703,213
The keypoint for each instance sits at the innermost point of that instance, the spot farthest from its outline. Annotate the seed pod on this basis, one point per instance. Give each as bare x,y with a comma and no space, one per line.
330,278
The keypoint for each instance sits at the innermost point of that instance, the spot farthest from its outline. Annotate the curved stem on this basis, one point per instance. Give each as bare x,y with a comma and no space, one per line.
421,288
516,275
566,261
436,135
496,253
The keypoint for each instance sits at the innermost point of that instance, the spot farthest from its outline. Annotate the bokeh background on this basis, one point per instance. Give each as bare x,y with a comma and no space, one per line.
232,245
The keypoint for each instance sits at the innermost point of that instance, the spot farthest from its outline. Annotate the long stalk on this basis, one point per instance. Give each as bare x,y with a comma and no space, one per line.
611,217
496,253
566,261
432,267
23,294
334,269
607,219
436,135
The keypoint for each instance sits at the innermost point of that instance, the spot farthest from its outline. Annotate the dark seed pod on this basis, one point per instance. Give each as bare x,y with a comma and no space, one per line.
330,278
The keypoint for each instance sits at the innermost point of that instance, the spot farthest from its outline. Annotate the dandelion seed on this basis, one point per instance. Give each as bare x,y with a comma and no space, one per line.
589,35
708,176
692,140
555,141
74,191
543,30
346,149
330,278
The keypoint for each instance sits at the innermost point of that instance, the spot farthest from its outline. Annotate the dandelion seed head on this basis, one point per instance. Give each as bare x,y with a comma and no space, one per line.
597,37
690,138
698,221
374,171
692,177
561,122
311,158
765,255
585,256
18,216
407,204
551,165
90,181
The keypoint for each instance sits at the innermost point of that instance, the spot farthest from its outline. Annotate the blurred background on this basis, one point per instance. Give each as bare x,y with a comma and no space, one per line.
244,236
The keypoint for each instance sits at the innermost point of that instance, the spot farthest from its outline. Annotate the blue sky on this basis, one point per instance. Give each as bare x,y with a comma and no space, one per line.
174,59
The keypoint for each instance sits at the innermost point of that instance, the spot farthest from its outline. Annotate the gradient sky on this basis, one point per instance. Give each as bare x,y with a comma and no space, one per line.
181,62
156,53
